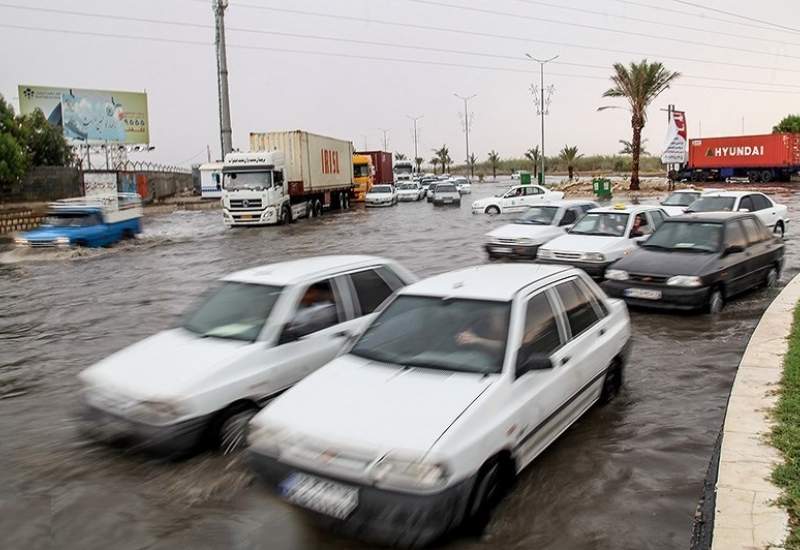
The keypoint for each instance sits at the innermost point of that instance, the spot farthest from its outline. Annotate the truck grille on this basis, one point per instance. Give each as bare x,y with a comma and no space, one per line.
570,256
647,279
42,244
245,204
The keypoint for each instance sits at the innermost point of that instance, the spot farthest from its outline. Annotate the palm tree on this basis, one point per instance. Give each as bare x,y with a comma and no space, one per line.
418,161
444,157
639,83
472,161
627,148
534,155
399,156
570,155
494,160
434,163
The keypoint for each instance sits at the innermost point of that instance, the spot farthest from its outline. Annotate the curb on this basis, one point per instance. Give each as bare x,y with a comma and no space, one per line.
746,516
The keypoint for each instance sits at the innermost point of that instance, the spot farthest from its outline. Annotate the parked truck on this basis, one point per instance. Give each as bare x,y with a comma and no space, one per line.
760,158
286,176
363,176
382,163
403,170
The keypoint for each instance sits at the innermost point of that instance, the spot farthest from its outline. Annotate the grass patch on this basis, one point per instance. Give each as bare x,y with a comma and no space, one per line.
786,434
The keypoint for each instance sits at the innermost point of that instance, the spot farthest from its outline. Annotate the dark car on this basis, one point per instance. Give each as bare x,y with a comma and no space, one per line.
698,261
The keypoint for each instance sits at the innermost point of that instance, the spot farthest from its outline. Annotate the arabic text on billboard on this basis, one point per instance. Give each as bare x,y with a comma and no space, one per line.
91,116
675,147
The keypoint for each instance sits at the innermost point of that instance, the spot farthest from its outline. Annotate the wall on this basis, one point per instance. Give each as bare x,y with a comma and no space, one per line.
154,186
45,183
19,219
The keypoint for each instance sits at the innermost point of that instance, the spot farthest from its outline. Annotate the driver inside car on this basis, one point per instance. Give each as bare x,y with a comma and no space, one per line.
488,333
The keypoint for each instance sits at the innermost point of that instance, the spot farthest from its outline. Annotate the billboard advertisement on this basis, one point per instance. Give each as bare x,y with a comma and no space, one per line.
675,147
91,116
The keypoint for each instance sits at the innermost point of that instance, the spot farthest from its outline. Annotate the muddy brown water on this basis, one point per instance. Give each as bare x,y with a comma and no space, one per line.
626,476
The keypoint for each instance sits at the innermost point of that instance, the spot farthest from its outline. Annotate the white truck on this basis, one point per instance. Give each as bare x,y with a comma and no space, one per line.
286,176
403,170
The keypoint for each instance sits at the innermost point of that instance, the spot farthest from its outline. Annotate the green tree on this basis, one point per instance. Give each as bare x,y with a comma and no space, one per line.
434,163
638,83
627,148
444,157
472,161
399,156
13,160
790,123
569,155
494,161
534,156
43,143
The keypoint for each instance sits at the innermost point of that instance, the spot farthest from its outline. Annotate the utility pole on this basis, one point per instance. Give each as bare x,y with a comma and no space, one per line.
208,151
467,123
543,101
385,138
226,142
416,152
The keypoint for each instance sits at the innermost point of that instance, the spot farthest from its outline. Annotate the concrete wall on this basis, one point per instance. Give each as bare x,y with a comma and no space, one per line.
19,219
45,183
154,186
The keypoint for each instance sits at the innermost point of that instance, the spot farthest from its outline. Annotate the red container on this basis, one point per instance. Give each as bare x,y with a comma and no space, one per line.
764,151
382,161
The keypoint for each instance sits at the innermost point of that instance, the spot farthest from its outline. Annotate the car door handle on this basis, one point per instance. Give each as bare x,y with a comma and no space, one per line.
565,360
343,334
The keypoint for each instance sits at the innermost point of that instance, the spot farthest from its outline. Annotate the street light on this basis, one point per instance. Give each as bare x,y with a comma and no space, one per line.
385,138
416,153
543,104
467,122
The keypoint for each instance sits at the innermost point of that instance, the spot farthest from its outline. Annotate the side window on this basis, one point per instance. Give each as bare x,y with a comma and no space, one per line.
277,176
578,307
752,231
734,235
371,290
747,204
319,308
761,202
570,216
541,329
657,217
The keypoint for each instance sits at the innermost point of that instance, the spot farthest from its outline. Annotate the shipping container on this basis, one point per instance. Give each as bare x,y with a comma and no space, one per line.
382,162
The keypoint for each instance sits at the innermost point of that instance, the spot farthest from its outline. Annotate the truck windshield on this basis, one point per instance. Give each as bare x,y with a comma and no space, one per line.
237,311
603,224
72,219
712,204
361,170
430,332
403,168
252,181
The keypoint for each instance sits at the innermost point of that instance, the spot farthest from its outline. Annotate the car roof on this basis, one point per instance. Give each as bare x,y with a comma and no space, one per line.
731,193
496,282
567,203
626,208
298,271
709,217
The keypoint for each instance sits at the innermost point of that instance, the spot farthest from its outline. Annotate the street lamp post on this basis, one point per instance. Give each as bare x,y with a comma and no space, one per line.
467,122
385,138
226,142
416,152
543,103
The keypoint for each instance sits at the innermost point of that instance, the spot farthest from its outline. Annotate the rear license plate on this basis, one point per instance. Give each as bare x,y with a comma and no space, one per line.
447,201
643,293
320,495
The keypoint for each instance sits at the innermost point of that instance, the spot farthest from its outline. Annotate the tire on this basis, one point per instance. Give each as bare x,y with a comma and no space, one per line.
754,176
230,431
488,491
771,279
766,176
492,210
612,383
779,230
318,208
286,215
716,302
458,204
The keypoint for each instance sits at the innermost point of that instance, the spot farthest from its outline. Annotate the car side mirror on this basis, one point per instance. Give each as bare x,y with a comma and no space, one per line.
527,362
733,249
308,321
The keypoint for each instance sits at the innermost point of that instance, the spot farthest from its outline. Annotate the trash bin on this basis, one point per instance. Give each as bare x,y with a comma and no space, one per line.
602,188
524,177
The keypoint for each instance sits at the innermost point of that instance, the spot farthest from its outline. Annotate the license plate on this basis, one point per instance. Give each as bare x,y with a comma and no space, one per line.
501,250
320,495
247,217
643,293
447,201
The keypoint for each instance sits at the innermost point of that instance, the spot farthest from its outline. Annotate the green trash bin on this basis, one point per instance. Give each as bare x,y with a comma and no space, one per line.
524,177
602,188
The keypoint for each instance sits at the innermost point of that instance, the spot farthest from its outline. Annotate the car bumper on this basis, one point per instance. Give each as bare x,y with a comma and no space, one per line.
512,251
168,440
378,204
409,198
676,298
451,202
596,270
381,516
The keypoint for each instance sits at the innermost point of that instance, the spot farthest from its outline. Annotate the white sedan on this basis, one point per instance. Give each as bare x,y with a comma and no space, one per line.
535,227
775,216
516,199
381,195
458,384
410,192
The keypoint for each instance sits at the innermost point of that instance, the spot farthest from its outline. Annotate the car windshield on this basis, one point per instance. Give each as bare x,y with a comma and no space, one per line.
237,311
72,219
446,188
605,224
539,215
680,199
688,236
381,189
408,187
252,181
712,204
448,334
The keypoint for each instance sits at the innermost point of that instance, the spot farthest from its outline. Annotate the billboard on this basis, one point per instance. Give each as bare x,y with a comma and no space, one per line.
675,146
91,116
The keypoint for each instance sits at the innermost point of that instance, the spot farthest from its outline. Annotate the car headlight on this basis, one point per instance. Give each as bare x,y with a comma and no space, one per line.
546,254
617,275
526,241
62,241
594,257
21,242
412,475
265,439
156,413
685,280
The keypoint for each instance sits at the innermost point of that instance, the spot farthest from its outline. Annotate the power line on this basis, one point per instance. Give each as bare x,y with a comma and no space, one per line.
356,56
739,16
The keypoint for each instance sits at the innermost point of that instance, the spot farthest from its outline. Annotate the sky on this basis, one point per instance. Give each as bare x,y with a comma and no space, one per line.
350,68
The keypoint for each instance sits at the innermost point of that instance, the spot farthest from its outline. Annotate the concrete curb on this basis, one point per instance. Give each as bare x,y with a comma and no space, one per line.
746,516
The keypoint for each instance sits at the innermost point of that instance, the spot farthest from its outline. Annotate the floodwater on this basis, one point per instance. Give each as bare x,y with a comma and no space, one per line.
627,476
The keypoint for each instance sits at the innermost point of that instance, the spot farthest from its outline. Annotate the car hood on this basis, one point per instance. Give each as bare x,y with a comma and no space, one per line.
52,232
586,243
407,191
667,264
539,233
369,405
379,195
163,366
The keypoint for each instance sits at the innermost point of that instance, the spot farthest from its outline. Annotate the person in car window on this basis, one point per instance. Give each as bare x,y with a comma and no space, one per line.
638,229
488,333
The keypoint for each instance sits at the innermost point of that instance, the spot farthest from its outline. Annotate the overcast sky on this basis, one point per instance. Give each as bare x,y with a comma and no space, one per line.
342,95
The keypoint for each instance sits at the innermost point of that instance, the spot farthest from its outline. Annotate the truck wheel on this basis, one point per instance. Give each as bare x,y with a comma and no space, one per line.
753,176
286,215
317,208
766,176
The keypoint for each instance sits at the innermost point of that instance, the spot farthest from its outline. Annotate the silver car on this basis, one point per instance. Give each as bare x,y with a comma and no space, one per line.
446,194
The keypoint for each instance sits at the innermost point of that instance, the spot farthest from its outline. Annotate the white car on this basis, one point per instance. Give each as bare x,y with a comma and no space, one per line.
381,195
775,216
517,199
255,335
602,236
538,225
410,192
678,201
458,384
462,184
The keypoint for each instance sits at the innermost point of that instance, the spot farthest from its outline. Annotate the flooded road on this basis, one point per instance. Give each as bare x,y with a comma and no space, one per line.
627,476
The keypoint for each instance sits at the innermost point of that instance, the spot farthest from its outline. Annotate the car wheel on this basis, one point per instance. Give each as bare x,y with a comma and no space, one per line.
232,428
611,384
485,495
779,230
492,210
715,302
771,280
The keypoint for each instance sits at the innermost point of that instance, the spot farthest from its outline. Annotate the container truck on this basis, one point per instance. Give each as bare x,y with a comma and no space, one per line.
760,158
286,176
382,163
363,178
403,170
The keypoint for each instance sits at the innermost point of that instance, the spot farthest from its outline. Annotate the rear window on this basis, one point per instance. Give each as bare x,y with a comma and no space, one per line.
713,204
441,188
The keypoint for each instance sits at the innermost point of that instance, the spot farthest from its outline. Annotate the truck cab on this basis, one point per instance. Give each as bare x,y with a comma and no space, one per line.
253,189
363,176
403,170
